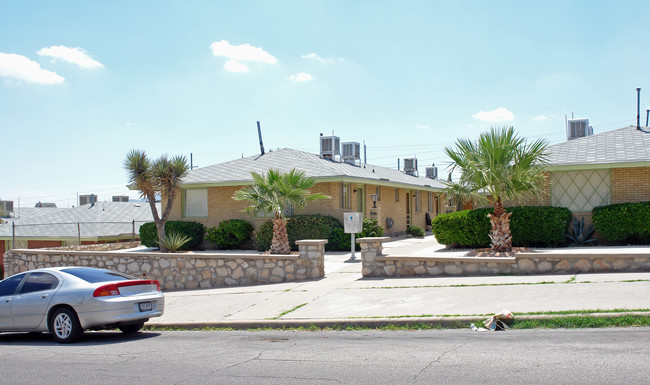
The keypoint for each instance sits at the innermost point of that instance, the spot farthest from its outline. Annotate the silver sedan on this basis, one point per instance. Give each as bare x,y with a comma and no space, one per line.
65,301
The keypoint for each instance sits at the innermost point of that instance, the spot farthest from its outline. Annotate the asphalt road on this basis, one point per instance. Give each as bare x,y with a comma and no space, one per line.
586,356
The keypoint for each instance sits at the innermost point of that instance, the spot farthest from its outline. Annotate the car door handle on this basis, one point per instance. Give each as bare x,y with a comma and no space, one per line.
44,295
8,300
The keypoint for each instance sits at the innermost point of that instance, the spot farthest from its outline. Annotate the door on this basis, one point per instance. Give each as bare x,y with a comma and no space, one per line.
408,209
7,293
29,305
360,201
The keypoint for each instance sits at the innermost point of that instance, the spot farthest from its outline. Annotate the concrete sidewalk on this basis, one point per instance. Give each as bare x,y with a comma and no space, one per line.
344,296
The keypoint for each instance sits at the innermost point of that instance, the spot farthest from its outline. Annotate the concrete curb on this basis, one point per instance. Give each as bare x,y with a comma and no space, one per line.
444,322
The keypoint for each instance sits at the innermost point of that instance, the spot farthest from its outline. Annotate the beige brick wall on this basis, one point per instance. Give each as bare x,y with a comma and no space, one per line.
630,184
221,206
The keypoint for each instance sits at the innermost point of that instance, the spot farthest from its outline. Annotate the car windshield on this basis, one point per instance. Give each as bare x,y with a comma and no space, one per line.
97,275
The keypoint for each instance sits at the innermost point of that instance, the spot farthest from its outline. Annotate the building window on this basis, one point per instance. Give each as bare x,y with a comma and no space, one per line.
345,195
378,192
418,201
196,203
430,202
396,195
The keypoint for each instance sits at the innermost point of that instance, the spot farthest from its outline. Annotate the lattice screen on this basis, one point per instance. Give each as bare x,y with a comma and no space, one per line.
581,190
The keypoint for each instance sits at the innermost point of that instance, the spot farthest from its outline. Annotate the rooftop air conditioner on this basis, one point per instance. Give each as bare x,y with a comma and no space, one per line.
351,152
432,172
578,128
330,147
411,166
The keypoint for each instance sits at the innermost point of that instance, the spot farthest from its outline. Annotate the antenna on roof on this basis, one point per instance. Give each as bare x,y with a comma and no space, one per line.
638,108
259,133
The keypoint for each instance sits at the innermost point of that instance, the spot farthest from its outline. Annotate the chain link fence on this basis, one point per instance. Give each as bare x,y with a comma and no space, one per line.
74,233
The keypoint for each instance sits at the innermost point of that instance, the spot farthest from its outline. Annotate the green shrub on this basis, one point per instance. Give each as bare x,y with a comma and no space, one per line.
193,230
371,228
623,222
531,226
174,241
415,231
468,228
230,233
539,226
302,227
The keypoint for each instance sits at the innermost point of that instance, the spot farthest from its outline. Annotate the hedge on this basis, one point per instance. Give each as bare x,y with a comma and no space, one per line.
531,226
623,222
371,228
301,227
194,230
230,233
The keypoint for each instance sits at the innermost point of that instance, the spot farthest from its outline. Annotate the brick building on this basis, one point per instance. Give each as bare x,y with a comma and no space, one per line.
403,198
606,168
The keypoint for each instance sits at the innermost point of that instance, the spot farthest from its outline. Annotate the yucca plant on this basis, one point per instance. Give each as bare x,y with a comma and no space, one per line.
581,236
173,241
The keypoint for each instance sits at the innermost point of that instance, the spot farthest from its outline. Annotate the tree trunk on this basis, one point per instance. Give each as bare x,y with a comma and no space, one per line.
500,234
160,226
280,241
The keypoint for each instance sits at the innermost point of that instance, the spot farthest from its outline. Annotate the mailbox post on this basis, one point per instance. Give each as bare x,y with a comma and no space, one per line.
352,224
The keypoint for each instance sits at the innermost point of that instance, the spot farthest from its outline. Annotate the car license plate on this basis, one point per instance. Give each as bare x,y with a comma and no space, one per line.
145,306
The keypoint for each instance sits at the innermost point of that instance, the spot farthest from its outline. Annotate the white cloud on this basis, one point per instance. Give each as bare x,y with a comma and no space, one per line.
501,114
21,67
76,56
540,117
235,66
301,77
422,126
314,56
242,52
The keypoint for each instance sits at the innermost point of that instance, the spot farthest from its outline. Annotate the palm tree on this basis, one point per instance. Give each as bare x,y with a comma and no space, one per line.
162,175
272,194
498,166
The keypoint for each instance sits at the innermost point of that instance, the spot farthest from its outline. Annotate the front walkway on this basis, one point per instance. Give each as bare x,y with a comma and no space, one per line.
343,295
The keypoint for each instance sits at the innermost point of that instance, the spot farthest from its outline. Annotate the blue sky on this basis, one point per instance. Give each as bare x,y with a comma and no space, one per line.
83,82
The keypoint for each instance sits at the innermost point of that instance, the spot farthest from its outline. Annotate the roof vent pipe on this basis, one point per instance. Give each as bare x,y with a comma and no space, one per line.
259,133
638,108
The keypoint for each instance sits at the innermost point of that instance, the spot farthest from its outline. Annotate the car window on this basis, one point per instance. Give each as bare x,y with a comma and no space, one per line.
91,275
39,281
9,285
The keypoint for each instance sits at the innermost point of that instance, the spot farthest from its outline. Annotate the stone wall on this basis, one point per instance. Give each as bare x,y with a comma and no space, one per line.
99,246
375,264
178,271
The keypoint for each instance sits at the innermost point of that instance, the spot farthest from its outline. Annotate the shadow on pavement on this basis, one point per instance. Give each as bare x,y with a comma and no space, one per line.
89,338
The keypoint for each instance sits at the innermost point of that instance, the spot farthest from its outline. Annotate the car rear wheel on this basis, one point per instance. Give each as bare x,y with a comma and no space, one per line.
64,326
131,328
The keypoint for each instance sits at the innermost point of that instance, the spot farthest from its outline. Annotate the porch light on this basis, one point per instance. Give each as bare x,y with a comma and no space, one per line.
373,198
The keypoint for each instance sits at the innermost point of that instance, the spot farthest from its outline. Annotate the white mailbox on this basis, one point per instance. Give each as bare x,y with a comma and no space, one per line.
352,223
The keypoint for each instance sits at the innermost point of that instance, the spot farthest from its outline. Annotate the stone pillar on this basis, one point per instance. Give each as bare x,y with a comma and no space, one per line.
371,248
312,257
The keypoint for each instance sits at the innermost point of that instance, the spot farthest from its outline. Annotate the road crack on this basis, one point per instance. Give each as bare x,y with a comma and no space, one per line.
436,361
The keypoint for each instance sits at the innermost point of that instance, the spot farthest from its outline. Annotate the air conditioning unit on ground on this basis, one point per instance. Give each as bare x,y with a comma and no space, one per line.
351,152
330,147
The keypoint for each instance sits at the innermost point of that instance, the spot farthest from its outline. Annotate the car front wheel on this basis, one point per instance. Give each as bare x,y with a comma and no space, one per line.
64,326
